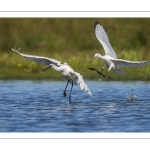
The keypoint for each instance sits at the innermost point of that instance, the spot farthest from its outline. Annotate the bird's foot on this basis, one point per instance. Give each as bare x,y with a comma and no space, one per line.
64,93
70,99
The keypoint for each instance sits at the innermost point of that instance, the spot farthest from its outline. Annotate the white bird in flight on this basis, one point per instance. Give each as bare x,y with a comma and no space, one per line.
65,69
110,57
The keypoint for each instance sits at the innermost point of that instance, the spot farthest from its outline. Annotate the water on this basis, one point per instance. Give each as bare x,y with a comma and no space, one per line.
32,106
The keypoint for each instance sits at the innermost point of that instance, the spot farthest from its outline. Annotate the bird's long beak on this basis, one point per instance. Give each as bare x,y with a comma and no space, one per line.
45,69
91,59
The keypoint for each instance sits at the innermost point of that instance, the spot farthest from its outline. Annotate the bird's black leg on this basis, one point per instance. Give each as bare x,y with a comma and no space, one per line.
100,73
65,89
70,93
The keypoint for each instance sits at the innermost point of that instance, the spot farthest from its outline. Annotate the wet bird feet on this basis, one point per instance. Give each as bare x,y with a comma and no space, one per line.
65,94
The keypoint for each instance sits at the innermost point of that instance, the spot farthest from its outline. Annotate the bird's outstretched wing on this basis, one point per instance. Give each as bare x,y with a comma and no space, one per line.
38,59
103,39
127,63
83,86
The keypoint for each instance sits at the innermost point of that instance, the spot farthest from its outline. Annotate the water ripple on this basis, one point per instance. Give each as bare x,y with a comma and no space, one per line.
31,106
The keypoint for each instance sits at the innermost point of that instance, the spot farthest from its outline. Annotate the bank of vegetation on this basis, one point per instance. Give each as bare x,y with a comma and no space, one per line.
72,40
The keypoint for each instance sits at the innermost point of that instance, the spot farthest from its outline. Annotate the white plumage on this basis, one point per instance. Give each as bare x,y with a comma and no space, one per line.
110,58
65,69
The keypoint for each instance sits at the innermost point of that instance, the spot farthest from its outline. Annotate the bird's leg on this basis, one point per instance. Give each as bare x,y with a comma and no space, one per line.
70,93
103,74
46,68
102,69
65,89
100,73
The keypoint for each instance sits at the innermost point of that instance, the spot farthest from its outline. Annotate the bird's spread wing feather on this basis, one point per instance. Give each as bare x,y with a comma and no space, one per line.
83,86
38,59
103,39
127,63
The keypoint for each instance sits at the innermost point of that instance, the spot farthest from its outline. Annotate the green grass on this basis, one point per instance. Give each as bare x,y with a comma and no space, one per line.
72,40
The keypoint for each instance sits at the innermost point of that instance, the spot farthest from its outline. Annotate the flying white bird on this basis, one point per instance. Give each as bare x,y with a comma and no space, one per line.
110,58
65,69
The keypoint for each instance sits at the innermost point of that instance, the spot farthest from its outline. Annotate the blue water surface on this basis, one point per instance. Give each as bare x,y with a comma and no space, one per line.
39,106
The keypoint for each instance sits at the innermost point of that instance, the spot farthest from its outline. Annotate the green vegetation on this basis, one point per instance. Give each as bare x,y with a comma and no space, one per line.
71,40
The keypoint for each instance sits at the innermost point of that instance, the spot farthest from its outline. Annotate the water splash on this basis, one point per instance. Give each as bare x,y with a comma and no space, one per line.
131,96
143,78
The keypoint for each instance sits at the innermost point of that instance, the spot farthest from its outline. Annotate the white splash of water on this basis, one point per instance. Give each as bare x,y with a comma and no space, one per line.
131,96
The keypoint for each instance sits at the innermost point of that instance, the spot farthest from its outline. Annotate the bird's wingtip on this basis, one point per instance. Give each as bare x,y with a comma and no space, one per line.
96,23
89,92
92,96
15,50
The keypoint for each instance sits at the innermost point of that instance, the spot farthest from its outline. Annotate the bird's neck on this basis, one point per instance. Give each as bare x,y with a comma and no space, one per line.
101,57
57,68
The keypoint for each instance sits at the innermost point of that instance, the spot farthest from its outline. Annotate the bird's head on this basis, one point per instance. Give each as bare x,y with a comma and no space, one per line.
95,56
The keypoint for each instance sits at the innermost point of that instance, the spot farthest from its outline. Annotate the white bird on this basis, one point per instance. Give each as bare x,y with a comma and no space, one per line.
110,58
65,69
